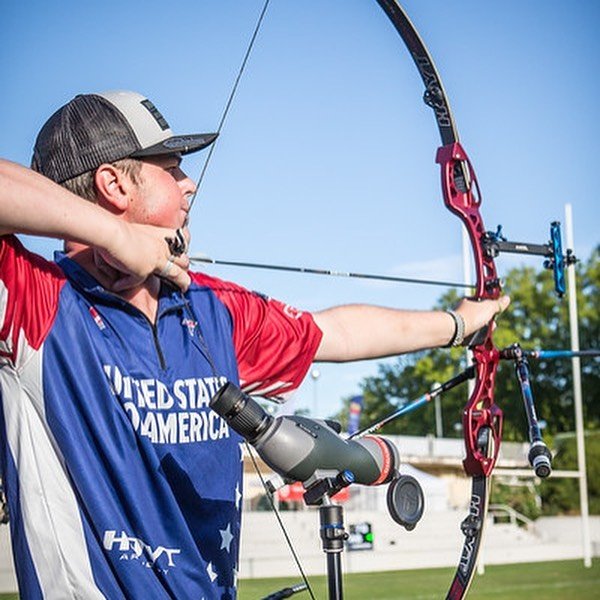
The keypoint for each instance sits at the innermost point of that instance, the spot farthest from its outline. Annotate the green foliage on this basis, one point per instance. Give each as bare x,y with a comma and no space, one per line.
561,495
535,319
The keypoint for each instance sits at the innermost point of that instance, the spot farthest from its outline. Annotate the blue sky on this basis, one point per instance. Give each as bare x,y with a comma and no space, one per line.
327,157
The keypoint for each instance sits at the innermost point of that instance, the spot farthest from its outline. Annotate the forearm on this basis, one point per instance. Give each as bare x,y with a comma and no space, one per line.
31,203
356,332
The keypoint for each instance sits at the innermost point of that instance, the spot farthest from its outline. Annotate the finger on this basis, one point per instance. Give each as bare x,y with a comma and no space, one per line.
503,303
175,271
179,277
164,272
183,262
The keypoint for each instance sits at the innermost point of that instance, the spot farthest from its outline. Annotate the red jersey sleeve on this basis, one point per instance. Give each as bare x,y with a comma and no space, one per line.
29,289
275,343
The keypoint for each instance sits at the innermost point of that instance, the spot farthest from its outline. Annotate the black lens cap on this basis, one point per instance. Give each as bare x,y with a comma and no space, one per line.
405,501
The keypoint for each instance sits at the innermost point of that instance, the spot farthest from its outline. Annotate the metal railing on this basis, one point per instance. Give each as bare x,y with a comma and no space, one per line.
514,517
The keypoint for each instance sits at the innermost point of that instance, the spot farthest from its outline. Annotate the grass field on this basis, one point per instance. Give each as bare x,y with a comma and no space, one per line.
568,580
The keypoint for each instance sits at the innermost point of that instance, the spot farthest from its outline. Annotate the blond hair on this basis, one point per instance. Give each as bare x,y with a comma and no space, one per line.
83,185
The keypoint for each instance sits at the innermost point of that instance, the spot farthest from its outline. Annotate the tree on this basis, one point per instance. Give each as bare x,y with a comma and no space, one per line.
536,319
562,495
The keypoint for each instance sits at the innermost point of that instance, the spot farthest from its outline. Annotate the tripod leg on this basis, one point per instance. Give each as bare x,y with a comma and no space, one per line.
333,536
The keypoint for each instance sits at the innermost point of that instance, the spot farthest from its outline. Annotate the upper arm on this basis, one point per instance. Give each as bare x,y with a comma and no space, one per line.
29,289
275,343
334,344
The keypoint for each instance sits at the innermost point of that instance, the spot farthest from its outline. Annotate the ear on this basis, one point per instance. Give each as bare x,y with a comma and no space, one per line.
113,188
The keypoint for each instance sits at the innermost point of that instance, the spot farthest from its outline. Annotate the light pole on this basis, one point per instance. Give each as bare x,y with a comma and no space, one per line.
438,414
315,374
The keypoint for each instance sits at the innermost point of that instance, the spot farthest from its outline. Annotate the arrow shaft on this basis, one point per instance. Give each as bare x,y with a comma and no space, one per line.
329,272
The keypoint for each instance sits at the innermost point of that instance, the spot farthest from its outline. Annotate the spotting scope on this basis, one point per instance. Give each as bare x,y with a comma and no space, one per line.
299,448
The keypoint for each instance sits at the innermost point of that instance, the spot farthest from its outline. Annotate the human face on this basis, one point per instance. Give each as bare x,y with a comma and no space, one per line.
163,194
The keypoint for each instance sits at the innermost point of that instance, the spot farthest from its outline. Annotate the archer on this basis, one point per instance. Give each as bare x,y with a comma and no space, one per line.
117,476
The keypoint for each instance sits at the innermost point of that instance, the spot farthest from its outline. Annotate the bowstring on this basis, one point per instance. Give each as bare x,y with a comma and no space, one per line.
192,200
280,521
229,101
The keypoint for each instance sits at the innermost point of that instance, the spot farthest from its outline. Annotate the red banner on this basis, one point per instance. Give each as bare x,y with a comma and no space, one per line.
295,493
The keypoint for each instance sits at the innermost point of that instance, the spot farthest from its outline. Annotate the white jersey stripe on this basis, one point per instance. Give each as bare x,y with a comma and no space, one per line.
47,501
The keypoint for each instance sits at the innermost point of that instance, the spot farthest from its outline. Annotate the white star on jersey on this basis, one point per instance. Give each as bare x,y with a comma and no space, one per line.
238,496
226,537
210,571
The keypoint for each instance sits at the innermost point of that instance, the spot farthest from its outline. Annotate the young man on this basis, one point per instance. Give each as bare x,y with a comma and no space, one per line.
121,482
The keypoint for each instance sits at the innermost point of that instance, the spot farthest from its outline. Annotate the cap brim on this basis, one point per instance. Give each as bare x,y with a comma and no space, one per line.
179,144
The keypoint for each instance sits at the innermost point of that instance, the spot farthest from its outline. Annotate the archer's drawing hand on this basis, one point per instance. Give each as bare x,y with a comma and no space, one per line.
138,251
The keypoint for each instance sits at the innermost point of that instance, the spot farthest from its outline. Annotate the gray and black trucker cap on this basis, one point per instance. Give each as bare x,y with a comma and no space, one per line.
93,129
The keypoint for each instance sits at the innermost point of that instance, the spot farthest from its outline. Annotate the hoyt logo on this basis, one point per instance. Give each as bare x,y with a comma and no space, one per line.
133,548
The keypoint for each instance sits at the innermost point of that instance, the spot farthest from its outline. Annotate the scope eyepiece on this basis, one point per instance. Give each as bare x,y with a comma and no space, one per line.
243,413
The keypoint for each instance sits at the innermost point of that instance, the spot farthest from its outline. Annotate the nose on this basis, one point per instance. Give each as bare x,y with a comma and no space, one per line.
187,187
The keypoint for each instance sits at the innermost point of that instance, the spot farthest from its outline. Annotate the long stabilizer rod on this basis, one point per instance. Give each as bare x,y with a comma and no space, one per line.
424,399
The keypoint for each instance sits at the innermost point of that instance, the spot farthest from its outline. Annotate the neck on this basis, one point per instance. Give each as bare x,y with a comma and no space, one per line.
144,296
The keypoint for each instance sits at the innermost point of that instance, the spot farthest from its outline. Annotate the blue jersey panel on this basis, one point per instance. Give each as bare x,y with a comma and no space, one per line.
157,474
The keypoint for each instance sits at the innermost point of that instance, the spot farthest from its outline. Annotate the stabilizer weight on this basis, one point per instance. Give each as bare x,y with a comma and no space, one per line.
540,458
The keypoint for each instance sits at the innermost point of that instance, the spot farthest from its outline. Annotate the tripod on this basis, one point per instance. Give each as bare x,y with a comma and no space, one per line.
332,532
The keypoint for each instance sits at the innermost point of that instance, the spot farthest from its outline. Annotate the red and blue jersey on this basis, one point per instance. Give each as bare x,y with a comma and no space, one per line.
121,482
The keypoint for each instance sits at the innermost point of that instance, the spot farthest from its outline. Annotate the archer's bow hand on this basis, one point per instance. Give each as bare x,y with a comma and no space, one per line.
478,314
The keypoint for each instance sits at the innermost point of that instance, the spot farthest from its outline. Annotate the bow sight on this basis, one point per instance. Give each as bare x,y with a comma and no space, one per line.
493,243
